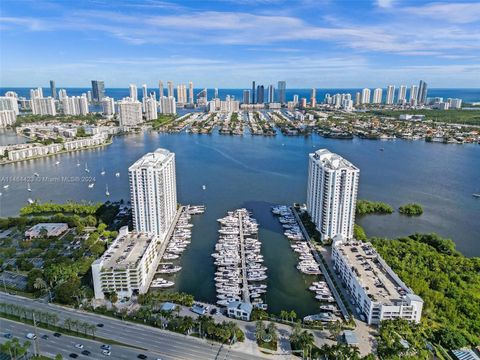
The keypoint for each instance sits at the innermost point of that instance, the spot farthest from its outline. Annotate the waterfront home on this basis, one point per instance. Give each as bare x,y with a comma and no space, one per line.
239,310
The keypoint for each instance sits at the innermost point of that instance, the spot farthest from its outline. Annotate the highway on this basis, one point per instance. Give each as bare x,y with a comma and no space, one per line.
65,345
167,345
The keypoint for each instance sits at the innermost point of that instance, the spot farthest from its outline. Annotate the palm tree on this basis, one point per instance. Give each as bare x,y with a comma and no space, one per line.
293,315
283,314
54,319
306,341
40,284
272,331
259,330
93,328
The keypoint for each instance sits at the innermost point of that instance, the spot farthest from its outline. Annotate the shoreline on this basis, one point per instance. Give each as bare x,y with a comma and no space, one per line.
8,162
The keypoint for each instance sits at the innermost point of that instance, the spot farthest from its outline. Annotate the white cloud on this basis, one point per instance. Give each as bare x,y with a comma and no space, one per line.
385,3
461,13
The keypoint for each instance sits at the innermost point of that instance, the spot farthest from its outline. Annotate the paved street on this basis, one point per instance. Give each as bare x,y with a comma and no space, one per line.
167,344
65,345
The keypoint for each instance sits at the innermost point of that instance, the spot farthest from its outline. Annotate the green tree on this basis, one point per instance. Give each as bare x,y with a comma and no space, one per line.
15,349
260,330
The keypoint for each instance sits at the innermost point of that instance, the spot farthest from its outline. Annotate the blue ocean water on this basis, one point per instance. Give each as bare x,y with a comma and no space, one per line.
468,95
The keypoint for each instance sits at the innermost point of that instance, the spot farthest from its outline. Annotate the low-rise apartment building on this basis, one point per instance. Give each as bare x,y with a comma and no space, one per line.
377,291
128,265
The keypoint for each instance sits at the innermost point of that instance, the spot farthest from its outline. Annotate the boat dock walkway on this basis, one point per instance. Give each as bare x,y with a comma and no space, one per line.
245,291
325,273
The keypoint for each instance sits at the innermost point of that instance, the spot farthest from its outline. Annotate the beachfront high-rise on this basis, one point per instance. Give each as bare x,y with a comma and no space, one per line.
98,90
332,194
422,93
53,89
153,192
282,90
390,95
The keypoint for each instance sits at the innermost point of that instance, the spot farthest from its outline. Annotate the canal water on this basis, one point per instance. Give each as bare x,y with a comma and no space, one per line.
257,172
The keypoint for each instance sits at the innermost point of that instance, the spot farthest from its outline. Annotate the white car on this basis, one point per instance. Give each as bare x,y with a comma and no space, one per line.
106,352
31,336
79,346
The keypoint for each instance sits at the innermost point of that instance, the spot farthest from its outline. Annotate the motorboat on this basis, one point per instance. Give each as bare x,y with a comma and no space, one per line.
161,283
117,174
86,168
91,185
106,191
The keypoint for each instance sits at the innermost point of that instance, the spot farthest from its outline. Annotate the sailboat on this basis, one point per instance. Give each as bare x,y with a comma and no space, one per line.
29,188
107,192
86,168
6,186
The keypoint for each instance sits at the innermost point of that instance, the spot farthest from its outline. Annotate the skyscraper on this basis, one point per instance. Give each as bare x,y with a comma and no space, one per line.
366,96
190,93
271,93
144,97
129,112
422,93
246,96
377,96
153,192
413,94
282,90
402,94
215,93
98,90
390,95
332,194
260,94
53,89
160,89
170,89
133,92
313,97
254,98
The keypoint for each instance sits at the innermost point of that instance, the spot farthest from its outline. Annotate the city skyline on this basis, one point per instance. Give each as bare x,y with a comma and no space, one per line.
436,41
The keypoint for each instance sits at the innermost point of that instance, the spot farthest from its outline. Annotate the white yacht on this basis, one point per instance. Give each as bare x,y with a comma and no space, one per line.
161,283
91,185
86,168
29,188
106,191
117,174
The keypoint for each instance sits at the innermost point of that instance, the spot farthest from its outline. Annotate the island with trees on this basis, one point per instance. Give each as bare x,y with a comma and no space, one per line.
411,209
367,207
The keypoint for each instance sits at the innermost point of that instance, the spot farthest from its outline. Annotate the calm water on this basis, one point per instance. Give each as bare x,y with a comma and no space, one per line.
256,172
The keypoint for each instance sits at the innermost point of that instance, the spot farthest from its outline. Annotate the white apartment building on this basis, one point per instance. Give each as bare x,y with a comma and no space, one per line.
402,94
108,106
390,95
377,96
128,265
34,151
9,103
94,140
151,112
332,194
153,192
133,92
130,112
455,103
168,105
75,105
376,290
413,95
365,96
43,106
7,118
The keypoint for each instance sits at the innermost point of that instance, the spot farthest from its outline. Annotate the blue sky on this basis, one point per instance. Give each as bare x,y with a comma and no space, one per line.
227,43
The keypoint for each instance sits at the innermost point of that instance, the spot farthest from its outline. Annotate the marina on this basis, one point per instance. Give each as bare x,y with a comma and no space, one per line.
176,244
307,264
240,271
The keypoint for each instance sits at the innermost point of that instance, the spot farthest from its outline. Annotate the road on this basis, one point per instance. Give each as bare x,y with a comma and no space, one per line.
65,345
169,345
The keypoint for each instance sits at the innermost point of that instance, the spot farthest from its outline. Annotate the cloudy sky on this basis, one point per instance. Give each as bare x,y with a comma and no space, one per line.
228,43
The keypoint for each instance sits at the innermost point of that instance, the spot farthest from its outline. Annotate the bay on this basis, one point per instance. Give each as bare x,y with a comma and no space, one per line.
257,172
